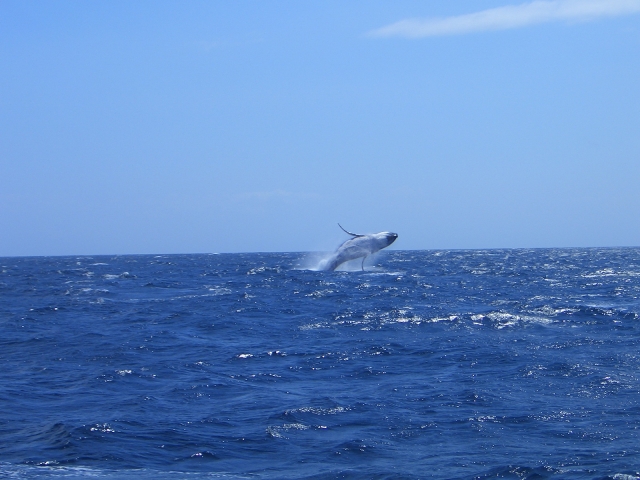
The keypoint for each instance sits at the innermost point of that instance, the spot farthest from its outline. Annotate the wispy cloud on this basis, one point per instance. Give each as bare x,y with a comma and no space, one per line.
208,45
510,16
265,196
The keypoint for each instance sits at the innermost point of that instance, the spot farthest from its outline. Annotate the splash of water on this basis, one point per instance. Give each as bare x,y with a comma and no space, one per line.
317,261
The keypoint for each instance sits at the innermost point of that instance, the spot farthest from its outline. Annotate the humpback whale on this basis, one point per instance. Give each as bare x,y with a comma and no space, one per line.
358,246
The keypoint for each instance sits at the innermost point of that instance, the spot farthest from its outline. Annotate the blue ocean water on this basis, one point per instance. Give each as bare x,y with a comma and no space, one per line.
429,364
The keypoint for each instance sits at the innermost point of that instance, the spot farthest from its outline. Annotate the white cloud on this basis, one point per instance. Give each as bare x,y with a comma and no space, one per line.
510,16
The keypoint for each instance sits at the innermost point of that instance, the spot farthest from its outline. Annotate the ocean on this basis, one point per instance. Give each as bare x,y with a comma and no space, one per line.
478,364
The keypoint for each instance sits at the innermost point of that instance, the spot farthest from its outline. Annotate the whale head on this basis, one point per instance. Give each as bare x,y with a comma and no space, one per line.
384,239
391,237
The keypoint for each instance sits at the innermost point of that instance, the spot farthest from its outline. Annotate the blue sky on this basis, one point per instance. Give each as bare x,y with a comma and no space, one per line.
179,127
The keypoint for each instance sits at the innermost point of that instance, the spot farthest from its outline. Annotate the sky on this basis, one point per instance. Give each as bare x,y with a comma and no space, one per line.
214,126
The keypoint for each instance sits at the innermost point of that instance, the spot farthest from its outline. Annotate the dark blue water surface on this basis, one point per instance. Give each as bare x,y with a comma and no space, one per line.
430,364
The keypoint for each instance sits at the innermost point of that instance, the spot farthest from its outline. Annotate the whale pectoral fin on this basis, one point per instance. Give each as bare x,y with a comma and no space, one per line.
349,233
363,262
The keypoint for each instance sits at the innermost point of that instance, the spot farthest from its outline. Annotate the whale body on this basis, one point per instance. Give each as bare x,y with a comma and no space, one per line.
358,246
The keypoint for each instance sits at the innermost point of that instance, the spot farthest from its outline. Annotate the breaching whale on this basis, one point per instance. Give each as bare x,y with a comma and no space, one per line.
358,246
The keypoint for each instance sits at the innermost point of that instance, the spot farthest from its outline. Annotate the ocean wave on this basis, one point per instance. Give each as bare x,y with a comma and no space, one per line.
446,364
